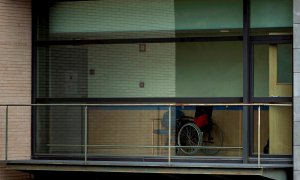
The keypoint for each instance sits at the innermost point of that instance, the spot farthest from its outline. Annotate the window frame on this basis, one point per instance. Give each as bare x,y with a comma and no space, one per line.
256,40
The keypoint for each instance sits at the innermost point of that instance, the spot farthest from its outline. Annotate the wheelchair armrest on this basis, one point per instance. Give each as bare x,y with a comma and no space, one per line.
187,117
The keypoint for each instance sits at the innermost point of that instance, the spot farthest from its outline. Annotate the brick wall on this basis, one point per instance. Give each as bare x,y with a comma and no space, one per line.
15,79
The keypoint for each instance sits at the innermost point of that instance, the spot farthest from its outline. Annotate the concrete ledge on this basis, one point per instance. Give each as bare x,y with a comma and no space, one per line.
144,167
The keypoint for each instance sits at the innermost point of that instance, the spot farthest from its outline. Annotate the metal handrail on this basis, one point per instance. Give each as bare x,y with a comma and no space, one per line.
139,146
158,104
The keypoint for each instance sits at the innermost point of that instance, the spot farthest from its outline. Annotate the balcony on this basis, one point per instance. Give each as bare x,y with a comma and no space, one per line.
146,138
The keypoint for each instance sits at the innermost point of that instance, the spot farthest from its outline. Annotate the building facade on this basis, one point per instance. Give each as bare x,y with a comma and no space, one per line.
106,86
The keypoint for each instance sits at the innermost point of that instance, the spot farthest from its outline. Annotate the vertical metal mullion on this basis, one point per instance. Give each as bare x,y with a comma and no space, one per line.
33,76
85,135
251,98
246,94
258,137
169,142
6,133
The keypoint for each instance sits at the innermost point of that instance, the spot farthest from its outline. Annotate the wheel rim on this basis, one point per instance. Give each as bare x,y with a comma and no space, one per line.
189,135
214,139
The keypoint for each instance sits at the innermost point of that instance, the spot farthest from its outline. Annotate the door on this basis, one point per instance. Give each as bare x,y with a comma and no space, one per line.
280,85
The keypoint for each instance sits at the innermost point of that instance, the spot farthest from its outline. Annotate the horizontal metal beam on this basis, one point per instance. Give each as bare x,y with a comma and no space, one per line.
137,40
138,169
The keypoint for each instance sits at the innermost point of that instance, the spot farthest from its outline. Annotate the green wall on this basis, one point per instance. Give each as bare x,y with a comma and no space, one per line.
261,70
209,69
203,69
112,16
208,14
119,68
271,13
285,63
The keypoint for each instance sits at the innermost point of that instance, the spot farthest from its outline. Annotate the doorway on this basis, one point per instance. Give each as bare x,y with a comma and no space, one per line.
272,70
280,118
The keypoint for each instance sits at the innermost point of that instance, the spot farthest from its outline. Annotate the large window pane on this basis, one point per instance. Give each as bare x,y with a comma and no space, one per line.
62,72
125,70
59,130
107,19
271,13
102,71
206,69
209,18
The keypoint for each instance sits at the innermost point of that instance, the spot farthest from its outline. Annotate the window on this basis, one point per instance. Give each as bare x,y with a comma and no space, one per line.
179,51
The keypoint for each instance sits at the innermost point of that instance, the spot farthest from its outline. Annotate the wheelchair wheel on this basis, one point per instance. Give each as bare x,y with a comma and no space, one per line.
189,135
212,138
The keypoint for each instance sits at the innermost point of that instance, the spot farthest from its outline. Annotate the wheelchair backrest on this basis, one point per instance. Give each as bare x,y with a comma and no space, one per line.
200,110
175,115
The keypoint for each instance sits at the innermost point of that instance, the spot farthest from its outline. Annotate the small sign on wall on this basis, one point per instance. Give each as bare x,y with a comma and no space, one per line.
142,47
142,84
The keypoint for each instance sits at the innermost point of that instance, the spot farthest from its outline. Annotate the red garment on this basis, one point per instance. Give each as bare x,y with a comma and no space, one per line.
201,121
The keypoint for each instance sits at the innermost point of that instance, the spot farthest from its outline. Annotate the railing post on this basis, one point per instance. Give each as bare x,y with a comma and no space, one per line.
169,144
85,135
6,133
258,138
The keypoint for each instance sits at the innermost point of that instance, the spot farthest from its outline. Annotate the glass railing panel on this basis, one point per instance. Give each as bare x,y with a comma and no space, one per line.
221,136
59,130
275,130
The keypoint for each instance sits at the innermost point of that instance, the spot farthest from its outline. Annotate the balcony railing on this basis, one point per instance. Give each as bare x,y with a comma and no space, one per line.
48,140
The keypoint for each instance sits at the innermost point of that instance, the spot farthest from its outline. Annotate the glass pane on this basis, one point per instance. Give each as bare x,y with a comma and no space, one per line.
60,130
130,131
111,131
62,72
285,63
213,18
137,130
203,68
275,130
273,70
261,70
103,71
271,13
106,19
221,135
141,70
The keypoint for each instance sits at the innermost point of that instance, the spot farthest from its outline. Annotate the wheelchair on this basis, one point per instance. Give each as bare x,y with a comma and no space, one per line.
198,133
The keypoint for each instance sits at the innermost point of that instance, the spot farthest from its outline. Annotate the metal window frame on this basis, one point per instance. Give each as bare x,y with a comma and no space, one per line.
280,39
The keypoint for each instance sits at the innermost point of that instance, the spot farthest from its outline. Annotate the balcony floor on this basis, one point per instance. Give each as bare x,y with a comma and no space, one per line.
148,167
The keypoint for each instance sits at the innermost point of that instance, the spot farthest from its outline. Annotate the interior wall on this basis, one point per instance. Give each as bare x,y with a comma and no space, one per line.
207,14
128,127
118,18
261,70
203,69
138,127
120,68
263,16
